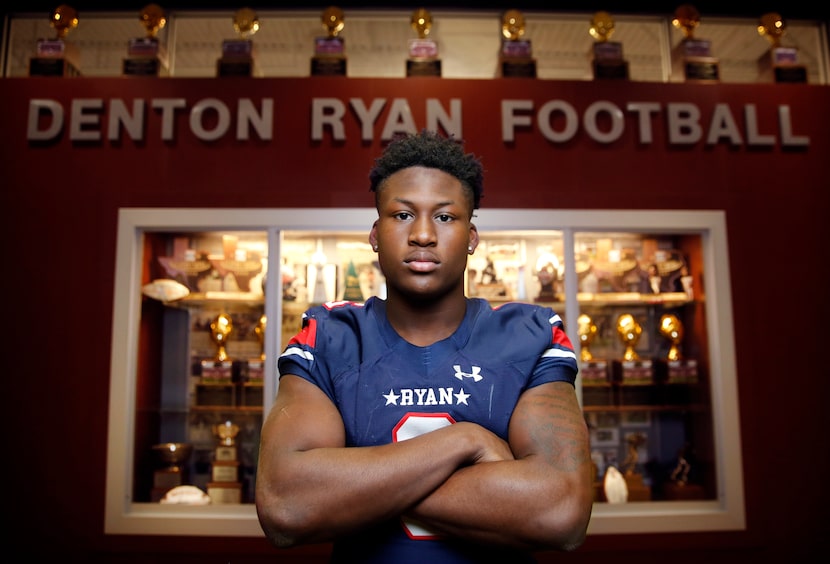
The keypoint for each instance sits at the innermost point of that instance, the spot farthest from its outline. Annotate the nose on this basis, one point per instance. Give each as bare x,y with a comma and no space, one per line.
422,232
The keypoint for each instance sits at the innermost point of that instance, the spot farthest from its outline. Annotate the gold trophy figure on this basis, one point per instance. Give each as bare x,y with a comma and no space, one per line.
220,330
57,57
423,52
516,58
695,55
587,332
784,60
238,54
629,332
329,51
226,433
672,329
608,58
144,54
259,331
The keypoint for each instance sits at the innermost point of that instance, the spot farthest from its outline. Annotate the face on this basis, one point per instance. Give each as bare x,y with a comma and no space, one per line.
423,233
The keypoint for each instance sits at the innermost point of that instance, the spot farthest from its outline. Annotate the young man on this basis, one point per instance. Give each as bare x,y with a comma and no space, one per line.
426,427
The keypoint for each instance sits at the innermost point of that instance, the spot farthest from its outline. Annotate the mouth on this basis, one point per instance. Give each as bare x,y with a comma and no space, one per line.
422,262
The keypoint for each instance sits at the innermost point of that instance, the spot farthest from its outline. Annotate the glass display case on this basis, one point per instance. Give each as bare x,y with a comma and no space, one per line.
645,296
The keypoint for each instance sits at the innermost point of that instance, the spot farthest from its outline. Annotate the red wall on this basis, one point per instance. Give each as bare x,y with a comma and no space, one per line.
60,200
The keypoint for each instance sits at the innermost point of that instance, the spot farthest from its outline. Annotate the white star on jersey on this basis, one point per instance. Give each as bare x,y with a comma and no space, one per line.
391,397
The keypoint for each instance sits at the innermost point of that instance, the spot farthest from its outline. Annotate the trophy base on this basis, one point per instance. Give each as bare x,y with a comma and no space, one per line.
423,67
701,69
251,394
328,66
610,70
52,66
637,490
225,453
141,66
216,395
235,67
217,371
167,479
633,372
224,492
790,74
678,491
683,371
594,372
517,68
225,471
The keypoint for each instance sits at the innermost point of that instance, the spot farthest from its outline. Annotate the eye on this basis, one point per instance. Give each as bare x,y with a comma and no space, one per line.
443,218
403,216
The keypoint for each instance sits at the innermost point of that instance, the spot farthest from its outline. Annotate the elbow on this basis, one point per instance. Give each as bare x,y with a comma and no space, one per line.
566,525
283,526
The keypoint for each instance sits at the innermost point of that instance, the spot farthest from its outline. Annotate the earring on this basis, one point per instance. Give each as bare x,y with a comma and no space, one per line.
470,249
375,248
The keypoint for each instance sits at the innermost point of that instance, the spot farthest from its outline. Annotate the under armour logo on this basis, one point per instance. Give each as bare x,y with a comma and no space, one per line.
475,374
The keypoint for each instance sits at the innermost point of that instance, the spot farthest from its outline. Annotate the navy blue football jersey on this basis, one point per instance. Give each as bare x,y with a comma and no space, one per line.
388,390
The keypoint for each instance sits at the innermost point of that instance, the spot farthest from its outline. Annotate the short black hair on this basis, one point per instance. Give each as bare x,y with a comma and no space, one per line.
431,150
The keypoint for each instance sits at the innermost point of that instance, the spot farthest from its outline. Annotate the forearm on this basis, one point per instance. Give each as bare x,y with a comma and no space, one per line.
502,503
318,494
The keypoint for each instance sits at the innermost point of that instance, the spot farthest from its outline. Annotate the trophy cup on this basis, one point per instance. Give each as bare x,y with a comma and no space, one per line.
423,52
145,56
216,385
238,55
782,61
631,369
329,52
608,59
674,368
693,54
225,486
57,57
594,370
516,57
174,473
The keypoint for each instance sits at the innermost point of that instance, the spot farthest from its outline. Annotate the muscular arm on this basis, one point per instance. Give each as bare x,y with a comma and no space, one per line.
542,499
311,489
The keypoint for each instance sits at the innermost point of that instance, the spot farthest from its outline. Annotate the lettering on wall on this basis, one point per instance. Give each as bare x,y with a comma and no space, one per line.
557,121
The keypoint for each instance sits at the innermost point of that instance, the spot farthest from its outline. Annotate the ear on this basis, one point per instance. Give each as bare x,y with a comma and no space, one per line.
373,236
473,240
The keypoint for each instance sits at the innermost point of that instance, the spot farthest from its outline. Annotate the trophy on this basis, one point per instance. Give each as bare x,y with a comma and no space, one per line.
674,368
631,369
329,52
57,57
253,371
145,57
352,292
423,52
516,57
637,489
679,486
783,61
218,370
695,55
594,371
174,473
238,54
224,486
608,59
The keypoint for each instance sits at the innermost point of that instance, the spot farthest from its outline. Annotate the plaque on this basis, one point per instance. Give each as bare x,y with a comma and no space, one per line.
675,369
608,59
693,54
780,62
57,57
423,52
224,492
238,55
516,56
330,51
594,371
631,369
219,369
145,55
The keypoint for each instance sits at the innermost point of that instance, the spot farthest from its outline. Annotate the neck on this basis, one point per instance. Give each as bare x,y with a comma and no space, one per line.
424,324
